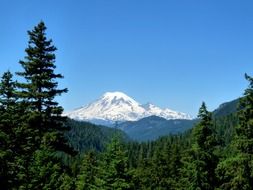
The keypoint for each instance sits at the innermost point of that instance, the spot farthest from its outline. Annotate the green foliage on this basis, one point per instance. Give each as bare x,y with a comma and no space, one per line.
234,173
46,170
200,164
113,168
31,124
244,131
157,127
41,86
227,108
7,91
238,169
157,164
87,177
9,123
84,136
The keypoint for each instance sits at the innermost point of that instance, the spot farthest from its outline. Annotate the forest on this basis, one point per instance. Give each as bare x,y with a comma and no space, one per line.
41,149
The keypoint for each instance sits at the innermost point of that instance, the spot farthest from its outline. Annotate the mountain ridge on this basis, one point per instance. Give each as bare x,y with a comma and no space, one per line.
115,107
152,127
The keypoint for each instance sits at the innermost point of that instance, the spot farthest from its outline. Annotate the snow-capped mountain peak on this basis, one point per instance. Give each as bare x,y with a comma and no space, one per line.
151,108
117,95
117,106
118,98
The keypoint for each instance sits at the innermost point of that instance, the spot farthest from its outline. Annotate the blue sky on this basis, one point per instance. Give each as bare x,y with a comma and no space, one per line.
173,53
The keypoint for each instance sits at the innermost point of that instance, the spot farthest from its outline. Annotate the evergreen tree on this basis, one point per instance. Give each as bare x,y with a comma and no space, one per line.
6,97
113,169
7,91
87,178
47,171
236,172
244,131
175,164
40,88
9,123
142,177
42,116
201,163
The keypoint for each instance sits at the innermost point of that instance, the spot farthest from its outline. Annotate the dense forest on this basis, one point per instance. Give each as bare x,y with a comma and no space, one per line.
41,149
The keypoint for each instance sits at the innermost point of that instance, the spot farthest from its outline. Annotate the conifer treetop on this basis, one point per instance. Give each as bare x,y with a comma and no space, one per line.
41,86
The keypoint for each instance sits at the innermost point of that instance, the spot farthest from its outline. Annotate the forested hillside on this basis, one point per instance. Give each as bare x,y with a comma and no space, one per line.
227,108
84,136
153,127
41,149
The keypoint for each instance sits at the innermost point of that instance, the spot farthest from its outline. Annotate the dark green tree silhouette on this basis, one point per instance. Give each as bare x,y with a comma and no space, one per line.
40,88
7,124
88,174
113,169
43,124
201,162
236,172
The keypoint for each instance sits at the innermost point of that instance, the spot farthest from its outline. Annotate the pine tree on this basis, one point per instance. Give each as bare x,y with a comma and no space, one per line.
201,163
113,169
8,125
160,168
87,178
244,131
47,170
41,86
42,117
7,91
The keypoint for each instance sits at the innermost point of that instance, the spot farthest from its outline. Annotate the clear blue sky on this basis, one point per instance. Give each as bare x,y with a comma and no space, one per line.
173,53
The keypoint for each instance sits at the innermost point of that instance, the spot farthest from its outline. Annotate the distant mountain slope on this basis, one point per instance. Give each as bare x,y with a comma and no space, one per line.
117,107
153,127
114,107
86,136
226,108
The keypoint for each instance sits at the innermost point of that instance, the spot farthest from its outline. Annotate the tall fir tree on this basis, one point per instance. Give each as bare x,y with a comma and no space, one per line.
11,126
86,180
113,168
244,131
7,91
47,171
40,88
200,164
7,143
43,126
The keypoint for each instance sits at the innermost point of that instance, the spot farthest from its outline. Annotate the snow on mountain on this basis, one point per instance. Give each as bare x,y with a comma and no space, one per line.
165,113
117,106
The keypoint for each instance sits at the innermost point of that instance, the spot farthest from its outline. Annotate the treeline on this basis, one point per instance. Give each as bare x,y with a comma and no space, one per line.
36,141
192,160
84,136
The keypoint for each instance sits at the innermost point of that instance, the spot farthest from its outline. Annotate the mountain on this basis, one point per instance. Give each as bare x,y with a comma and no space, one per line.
115,107
141,122
226,108
153,127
